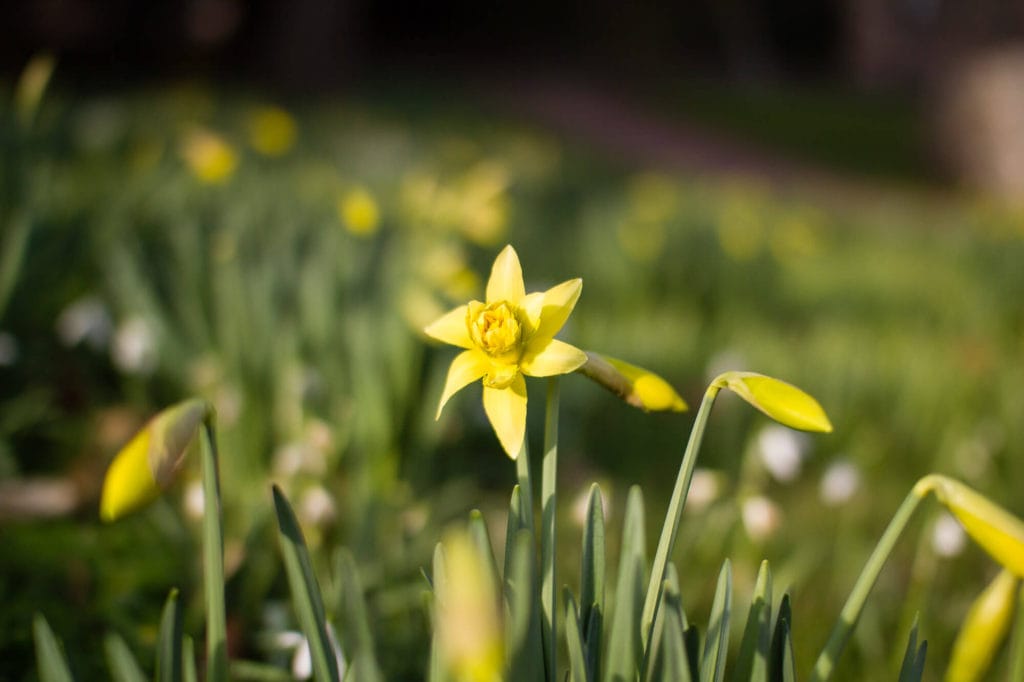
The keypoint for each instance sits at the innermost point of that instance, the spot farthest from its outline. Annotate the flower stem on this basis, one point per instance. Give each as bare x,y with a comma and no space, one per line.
213,561
1017,644
547,549
670,528
525,484
850,614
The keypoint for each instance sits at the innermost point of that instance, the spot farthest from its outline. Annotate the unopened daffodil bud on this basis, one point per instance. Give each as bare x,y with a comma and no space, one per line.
783,402
983,630
637,386
468,620
150,460
996,530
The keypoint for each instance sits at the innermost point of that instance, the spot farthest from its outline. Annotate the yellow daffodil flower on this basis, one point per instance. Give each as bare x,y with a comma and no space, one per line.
359,212
272,131
509,335
150,460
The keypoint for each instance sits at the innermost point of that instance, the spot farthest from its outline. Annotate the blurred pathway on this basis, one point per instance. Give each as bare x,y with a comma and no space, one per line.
636,135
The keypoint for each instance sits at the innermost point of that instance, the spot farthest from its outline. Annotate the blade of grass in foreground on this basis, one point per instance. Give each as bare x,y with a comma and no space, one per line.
752,663
717,644
913,659
49,657
623,656
592,571
574,640
122,664
213,561
168,648
306,596
549,475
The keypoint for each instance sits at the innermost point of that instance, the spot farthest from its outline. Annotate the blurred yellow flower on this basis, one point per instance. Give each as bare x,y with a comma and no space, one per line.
469,625
31,85
509,335
150,460
272,131
358,212
210,157
983,630
783,402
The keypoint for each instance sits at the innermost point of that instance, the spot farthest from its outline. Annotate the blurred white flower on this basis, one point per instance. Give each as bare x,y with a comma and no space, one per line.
948,536
302,662
761,517
839,482
134,347
316,506
8,349
782,450
86,319
194,500
705,487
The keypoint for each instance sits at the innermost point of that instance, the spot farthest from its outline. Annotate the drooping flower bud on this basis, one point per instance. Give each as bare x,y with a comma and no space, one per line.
783,402
983,630
637,386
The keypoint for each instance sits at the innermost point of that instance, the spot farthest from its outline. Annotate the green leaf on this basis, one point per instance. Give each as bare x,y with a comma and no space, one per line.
481,539
548,545
213,557
252,671
523,646
1017,642
435,672
123,665
168,649
716,646
752,663
356,636
624,648
592,563
780,664
574,640
188,659
517,521
593,642
306,596
912,669
668,660
49,656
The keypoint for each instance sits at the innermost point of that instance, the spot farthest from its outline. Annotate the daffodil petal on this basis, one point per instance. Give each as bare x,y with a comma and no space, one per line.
451,328
467,367
506,408
532,306
557,357
559,301
984,629
506,281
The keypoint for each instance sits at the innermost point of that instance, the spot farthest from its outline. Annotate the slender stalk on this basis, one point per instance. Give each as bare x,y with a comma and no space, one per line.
547,548
850,614
213,561
525,486
670,528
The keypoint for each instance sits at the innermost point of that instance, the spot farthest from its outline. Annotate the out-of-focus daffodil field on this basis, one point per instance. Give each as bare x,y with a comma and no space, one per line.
281,258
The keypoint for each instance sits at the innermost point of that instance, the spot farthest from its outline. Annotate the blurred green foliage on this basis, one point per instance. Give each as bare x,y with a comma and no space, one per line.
263,285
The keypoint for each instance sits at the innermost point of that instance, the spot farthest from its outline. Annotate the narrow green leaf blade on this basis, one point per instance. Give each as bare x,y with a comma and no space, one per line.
668,660
523,644
752,663
481,539
435,671
168,650
357,638
781,665
716,646
188,660
912,668
122,663
574,640
252,671
592,563
624,648
49,656
305,591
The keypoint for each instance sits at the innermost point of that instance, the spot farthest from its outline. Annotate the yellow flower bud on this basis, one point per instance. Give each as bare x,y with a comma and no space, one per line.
358,211
150,460
983,630
637,386
783,402
996,530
